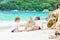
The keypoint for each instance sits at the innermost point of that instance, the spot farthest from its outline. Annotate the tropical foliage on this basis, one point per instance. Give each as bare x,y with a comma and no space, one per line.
37,5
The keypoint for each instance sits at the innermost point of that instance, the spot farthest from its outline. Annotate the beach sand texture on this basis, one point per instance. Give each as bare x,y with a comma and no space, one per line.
5,34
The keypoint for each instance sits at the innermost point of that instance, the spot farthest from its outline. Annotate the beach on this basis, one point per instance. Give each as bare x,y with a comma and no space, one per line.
29,20
5,27
7,24
33,35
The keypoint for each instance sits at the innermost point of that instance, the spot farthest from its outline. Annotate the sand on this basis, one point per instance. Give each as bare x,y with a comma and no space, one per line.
5,34
33,35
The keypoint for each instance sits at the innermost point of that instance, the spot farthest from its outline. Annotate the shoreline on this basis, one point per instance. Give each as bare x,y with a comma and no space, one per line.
23,11
9,23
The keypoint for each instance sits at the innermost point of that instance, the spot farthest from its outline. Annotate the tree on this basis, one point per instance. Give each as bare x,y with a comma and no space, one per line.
37,5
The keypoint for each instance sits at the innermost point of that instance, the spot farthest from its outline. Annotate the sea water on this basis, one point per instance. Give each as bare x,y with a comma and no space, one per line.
11,15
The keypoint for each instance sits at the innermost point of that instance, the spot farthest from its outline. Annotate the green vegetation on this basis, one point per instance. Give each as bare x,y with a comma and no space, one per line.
37,5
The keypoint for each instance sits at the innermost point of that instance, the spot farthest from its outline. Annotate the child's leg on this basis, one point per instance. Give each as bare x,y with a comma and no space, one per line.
35,28
29,29
20,30
16,30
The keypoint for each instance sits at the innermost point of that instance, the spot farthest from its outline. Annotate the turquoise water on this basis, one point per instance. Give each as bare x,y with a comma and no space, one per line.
10,15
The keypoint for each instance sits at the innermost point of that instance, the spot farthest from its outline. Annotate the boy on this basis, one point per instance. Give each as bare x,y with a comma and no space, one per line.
15,25
38,24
